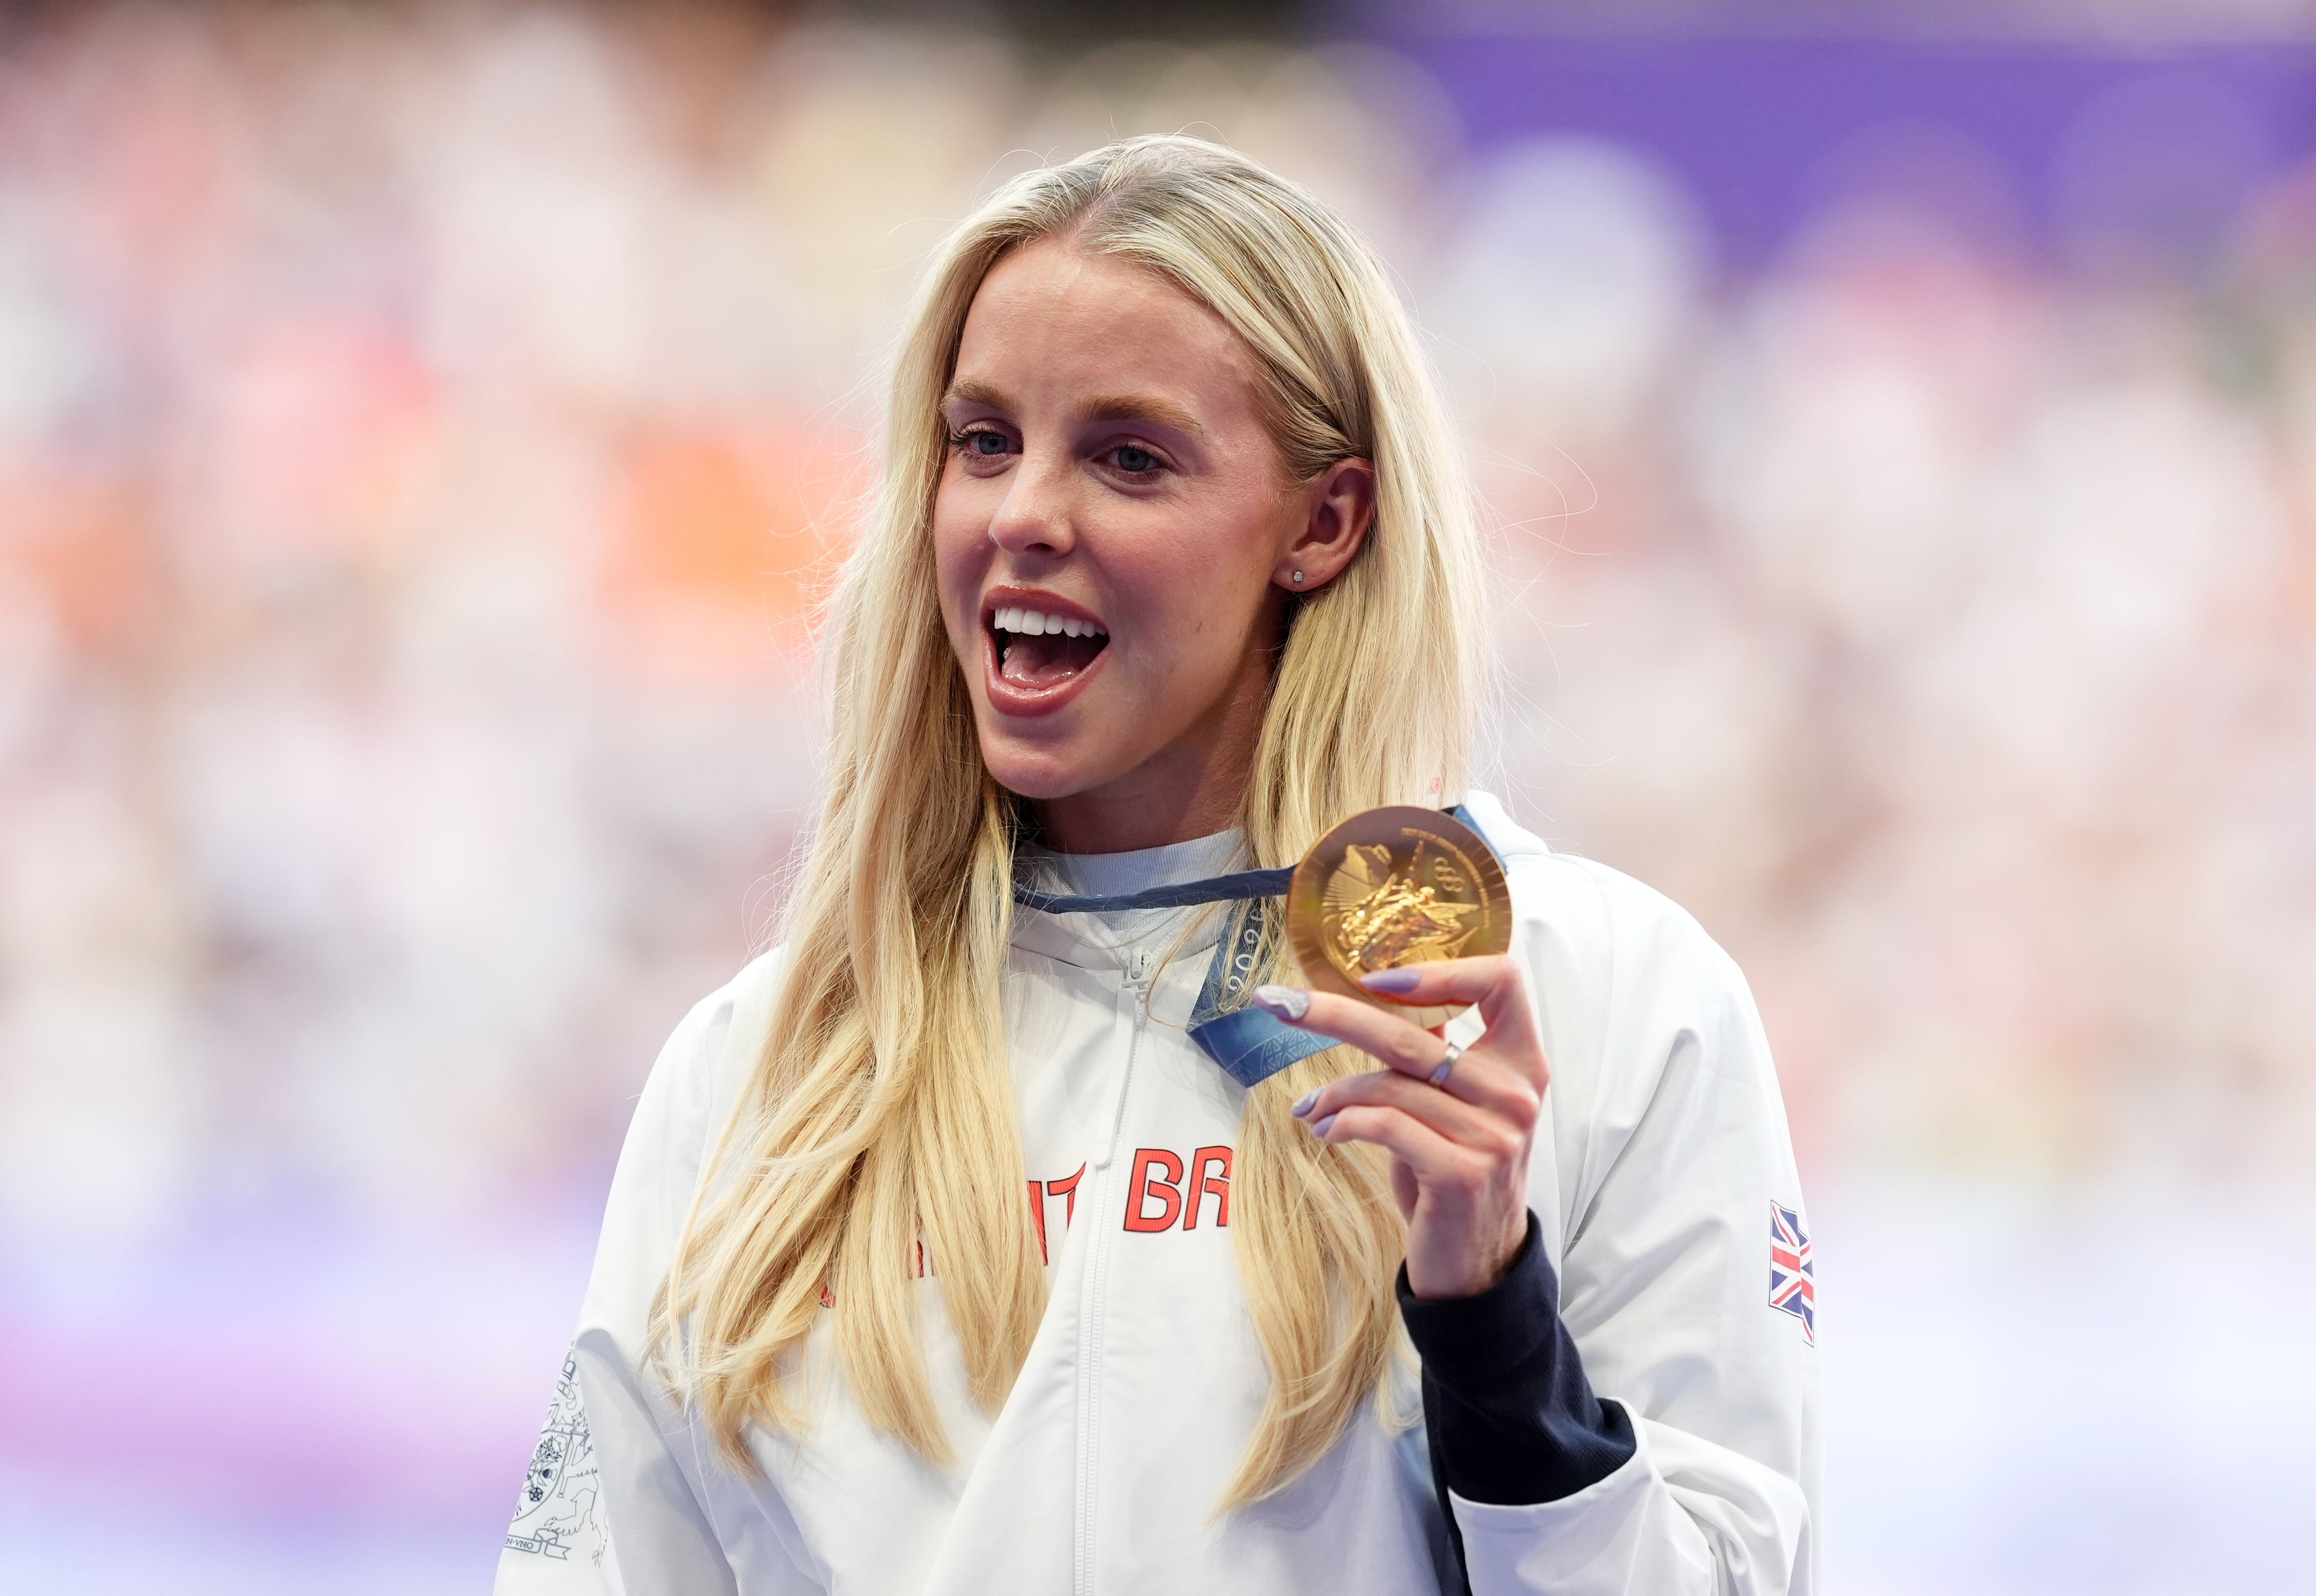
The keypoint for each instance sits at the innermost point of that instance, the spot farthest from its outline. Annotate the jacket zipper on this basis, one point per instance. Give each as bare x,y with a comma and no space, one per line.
1091,1297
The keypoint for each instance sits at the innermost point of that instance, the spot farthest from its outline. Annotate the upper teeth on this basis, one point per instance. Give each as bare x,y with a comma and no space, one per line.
1034,623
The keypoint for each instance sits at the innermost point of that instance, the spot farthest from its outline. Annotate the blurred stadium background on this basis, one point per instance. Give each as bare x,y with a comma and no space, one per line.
423,429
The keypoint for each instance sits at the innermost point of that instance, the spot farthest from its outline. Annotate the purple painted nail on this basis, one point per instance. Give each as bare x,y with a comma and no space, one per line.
1303,1103
1288,1003
1403,978
1323,1127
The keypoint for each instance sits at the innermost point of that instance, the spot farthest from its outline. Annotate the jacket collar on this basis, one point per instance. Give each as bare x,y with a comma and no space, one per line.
1110,942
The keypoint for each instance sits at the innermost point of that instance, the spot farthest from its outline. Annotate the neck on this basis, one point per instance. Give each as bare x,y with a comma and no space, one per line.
1144,808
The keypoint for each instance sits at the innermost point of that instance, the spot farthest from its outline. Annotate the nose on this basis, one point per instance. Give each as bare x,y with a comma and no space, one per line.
1033,516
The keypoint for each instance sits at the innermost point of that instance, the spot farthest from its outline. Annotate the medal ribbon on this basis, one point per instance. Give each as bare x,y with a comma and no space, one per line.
1249,1044
1182,894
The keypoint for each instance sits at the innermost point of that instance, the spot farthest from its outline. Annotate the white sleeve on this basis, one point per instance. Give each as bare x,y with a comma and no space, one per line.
615,1502
1673,1159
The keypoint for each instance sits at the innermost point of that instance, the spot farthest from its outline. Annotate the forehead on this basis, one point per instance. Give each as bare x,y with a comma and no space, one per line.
1051,322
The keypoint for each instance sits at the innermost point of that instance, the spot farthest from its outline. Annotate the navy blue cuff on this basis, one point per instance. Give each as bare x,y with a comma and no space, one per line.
1511,1419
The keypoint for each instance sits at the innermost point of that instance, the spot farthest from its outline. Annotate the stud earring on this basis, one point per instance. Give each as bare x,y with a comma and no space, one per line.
1298,575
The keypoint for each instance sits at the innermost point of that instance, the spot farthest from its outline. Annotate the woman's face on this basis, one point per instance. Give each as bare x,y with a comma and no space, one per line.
1116,540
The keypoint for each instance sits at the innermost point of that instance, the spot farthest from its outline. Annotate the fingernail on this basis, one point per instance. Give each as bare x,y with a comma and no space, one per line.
1399,979
1288,1003
1323,1127
1303,1103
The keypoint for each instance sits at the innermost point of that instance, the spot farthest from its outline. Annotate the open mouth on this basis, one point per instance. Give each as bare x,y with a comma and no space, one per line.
1038,651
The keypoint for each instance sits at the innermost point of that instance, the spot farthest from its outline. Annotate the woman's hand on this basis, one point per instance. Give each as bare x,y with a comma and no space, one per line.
1458,1142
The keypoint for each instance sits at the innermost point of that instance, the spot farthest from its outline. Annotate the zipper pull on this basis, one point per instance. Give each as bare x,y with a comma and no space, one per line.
1137,978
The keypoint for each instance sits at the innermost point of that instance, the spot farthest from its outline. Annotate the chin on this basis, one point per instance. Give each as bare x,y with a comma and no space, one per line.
1039,770
1039,776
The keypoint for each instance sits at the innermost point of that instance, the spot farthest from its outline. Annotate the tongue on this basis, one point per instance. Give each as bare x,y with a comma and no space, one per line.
1049,660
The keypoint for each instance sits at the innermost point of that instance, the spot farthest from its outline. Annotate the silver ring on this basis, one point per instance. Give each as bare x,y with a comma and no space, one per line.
1447,1063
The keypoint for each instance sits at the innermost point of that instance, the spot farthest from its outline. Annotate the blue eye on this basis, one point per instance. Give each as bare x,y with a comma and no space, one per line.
985,443
1135,462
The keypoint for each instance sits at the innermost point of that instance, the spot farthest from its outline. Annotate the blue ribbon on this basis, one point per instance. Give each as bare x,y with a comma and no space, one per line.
1249,1045
1182,894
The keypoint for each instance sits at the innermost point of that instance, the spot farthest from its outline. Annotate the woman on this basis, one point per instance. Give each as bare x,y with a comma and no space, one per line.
1171,571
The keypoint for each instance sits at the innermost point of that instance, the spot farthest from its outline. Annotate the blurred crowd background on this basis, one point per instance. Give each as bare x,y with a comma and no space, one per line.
425,429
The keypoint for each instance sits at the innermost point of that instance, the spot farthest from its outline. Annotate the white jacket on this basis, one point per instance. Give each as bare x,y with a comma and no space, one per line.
1661,1156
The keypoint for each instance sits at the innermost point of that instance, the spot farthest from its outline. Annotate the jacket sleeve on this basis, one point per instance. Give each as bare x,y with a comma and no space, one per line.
620,1500
1673,1166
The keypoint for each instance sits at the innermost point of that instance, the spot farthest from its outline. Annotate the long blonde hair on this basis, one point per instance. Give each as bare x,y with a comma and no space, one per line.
880,1112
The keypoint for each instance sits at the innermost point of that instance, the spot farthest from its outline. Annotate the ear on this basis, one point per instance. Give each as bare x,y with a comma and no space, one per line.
1337,508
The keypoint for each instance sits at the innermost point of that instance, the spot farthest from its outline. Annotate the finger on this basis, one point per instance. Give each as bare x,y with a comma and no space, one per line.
1478,1075
1498,1133
1478,1078
1439,1164
1494,984
1390,1039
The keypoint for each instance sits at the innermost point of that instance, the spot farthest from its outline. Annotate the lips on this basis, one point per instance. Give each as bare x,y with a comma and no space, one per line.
1041,651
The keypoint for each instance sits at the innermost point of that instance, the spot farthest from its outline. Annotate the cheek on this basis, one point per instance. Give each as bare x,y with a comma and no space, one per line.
1202,588
960,555
1229,555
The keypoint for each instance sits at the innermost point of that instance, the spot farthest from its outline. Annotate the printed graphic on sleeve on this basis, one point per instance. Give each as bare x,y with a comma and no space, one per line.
1793,1276
557,1513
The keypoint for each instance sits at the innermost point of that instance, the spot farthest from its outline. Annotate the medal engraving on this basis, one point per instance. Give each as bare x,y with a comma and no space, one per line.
1396,887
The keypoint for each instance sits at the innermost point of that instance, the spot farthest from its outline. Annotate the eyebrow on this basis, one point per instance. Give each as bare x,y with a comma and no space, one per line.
1143,408
969,392
1146,407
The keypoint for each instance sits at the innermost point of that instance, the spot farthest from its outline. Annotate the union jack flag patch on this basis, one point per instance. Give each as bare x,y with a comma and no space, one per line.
1792,1288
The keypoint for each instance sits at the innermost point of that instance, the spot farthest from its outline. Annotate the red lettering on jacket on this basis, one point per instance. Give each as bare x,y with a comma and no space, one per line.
1068,1189
1144,1183
1195,1188
1040,1191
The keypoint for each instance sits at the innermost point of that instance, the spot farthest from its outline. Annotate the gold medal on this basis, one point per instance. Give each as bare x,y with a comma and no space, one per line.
1394,887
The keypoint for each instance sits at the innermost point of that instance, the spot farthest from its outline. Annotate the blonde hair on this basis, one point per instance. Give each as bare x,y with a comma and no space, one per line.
880,1112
